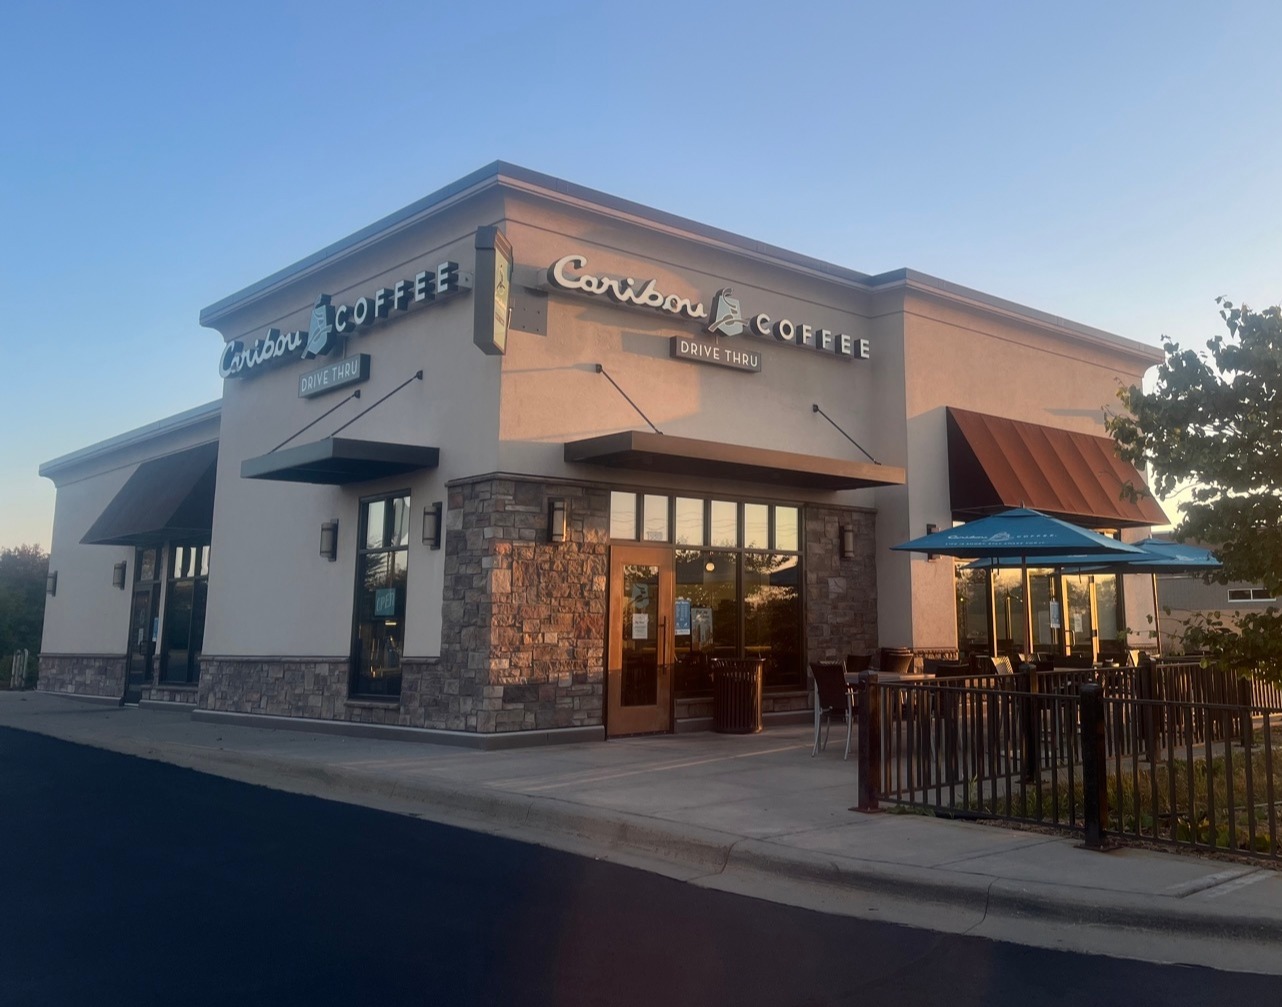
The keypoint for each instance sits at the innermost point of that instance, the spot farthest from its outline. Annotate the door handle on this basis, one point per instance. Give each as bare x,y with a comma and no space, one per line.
663,645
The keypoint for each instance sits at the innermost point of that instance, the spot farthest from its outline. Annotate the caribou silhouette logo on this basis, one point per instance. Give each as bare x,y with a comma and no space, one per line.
727,315
320,334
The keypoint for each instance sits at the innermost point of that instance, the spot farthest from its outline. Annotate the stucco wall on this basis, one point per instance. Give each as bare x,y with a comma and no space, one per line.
89,615
271,592
987,361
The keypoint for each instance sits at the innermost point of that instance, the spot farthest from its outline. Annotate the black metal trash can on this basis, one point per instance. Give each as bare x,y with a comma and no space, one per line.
736,695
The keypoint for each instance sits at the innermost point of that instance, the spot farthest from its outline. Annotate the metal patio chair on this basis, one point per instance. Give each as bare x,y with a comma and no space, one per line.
832,697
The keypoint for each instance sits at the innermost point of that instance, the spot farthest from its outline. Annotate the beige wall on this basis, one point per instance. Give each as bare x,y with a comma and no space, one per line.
961,355
271,593
89,615
552,393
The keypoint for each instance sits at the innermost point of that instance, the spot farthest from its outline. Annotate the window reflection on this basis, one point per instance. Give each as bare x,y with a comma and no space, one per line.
380,597
186,594
772,616
689,521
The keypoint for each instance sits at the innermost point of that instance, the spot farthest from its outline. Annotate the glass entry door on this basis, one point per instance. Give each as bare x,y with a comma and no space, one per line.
142,641
639,665
1079,592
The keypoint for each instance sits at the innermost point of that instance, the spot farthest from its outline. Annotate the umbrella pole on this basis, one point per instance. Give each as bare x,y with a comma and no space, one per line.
1028,607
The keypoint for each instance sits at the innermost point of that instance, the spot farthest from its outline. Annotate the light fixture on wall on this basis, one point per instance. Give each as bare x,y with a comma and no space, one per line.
329,540
432,525
847,541
930,530
556,520
118,575
51,582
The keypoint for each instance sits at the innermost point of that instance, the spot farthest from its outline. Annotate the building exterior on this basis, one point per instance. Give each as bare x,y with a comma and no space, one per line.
1189,598
514,463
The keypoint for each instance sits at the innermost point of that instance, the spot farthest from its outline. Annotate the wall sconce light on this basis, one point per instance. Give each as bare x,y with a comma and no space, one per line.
329,540
432,525
51,583
118,575
556,520
930,530
847,541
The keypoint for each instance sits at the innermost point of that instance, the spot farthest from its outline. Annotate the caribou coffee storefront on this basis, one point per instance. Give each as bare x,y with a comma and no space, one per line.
518,462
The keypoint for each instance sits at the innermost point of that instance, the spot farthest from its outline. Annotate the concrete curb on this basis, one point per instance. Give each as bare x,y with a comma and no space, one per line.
709,852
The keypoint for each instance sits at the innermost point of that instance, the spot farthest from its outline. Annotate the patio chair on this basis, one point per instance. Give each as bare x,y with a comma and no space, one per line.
832,697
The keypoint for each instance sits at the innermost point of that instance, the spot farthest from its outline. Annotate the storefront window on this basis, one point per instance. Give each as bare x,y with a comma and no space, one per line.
623,515
1008,611
786,523
689,521
707,582
656,518
1112,627
186,594
972,611
756,526
724,532
772,616
738,581
380,597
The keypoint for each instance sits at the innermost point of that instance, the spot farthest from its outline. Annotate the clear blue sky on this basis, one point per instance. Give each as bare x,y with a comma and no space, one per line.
1114,163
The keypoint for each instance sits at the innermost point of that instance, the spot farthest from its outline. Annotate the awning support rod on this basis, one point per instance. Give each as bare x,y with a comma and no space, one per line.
601,370
355,395
843,433
418,376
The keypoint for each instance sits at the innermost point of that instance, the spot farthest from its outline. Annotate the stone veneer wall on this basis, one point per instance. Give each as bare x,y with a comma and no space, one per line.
278,686
171,693
82,675
524,629
841,594
523,637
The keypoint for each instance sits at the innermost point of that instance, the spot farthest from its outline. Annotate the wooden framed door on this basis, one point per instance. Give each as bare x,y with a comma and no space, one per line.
640,654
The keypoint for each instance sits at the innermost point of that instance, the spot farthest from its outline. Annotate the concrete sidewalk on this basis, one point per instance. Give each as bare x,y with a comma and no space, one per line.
754,815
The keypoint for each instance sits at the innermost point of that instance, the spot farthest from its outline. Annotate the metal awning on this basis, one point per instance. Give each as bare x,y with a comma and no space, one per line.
166,499
645,451
995,463
337,461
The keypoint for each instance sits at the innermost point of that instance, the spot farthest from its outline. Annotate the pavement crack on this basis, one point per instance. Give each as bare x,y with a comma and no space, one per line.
988,901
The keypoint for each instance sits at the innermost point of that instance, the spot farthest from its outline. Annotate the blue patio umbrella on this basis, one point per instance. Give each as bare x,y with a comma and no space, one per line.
1156,556
1018,533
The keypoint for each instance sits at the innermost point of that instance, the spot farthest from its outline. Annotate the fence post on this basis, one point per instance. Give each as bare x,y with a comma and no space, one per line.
869,741
1032,721
1247,728
1146,692
1094,764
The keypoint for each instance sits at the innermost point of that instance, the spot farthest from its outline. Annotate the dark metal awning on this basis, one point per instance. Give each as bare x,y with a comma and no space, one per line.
337,461
166,499
995,463
639,449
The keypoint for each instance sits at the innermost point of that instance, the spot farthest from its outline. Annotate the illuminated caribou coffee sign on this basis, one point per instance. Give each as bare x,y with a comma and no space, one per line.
570,272
330,323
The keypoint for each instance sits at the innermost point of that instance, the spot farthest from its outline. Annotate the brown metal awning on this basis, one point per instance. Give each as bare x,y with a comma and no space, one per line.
166,499
640,449
337,461
994,463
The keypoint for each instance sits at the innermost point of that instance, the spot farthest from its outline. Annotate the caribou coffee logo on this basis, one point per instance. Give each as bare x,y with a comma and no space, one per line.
728,319
727,316
329,322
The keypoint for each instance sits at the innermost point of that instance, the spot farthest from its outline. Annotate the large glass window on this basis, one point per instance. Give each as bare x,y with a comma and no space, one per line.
186,594
380,597
772,615
738,581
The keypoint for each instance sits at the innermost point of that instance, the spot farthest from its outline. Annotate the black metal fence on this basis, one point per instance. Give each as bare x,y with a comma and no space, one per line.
1173,753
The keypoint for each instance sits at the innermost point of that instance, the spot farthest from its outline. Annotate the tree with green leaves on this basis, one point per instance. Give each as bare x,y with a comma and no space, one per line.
1213,424
23,570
